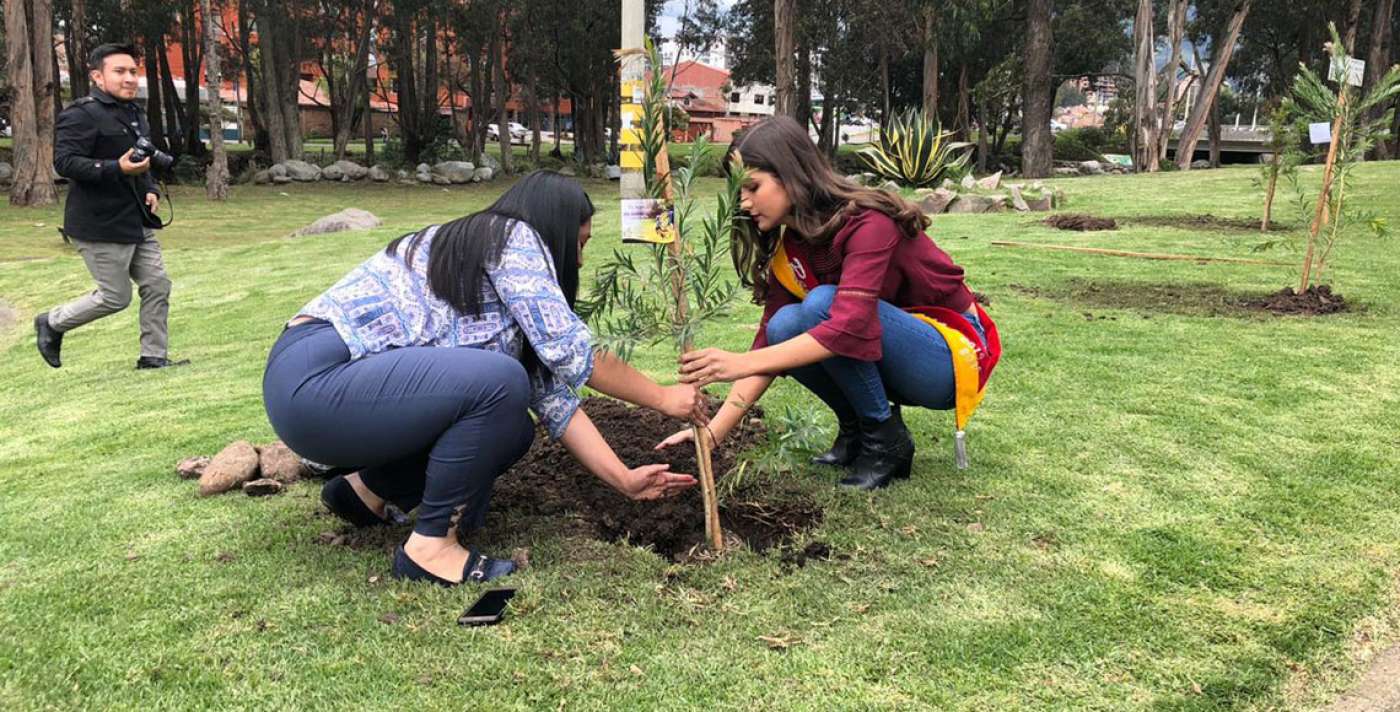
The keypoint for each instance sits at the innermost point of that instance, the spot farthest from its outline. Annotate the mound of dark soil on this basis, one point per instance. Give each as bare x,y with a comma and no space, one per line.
549,482
1080,222
1316,300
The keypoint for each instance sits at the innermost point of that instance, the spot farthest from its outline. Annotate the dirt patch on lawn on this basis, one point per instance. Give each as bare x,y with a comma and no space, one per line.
548,482
1205,222
1192,299
1080,222
548,491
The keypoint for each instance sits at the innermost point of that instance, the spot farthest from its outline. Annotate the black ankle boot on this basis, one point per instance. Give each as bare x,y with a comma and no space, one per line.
843,452
886,453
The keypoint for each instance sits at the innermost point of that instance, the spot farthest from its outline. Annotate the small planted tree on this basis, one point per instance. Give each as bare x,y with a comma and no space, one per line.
630,303
1353,132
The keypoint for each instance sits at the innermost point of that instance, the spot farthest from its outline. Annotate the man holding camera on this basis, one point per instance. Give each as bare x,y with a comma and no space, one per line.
110,213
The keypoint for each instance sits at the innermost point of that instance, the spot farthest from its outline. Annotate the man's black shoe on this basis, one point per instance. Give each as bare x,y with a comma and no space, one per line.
153,362
49,340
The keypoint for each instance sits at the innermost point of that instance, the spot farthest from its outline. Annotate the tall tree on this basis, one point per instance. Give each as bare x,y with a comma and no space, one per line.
500,86
29,64
1145,116
785,53
279,50
1176,29
929,39
1377,60
344,39
1037,146
1210,88
216,176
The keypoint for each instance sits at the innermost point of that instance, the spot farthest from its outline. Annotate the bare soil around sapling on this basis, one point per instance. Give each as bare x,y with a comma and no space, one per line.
1080,222
548,489
1191,299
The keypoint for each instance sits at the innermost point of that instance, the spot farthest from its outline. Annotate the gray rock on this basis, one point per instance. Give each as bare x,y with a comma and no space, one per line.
1200,165
1093,168
991,182
332,173
279,180
1017,200
483,173
937,202
350,169
302,172
262,488
378,174
969,183
598,170
614,173
347,219
454,172
490,161
1066,171
262,177
423,177
277,171
977,204
948,184
889,186
401,175
7,173
423,168
1042,204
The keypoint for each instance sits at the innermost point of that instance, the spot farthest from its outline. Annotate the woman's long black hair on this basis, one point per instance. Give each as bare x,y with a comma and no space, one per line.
553,204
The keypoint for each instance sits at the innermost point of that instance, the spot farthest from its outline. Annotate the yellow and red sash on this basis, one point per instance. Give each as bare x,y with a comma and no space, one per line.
973,360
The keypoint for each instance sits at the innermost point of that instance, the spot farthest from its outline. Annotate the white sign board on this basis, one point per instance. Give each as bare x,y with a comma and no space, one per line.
1320,133
1354,70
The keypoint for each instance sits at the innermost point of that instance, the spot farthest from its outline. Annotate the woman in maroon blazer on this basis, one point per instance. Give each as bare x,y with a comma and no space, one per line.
859,305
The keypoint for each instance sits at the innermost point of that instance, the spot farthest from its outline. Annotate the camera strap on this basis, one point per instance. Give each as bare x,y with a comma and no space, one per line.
148,219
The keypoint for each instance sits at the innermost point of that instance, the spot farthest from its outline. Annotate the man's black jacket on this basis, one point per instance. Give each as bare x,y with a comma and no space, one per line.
104,204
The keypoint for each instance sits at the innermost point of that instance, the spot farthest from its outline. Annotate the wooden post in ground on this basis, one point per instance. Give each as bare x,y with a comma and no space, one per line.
1274,167
633,185
1321,210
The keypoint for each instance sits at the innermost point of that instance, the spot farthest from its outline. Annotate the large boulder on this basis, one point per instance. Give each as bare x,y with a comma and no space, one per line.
277,171
378,174
350,169
454,172
262,177
1200,165
7,173
937,201
347,219
302,172
614,172
1018,201
968,182
233,466
490,161
483,173
1093,168
991,182
977,204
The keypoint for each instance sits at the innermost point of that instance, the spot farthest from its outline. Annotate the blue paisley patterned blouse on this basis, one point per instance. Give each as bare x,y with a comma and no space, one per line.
386,304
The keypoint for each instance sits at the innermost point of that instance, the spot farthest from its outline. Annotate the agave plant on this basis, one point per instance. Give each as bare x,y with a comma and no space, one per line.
915,151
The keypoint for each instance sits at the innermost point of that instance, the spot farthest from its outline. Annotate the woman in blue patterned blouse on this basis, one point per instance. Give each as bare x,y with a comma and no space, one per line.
365,376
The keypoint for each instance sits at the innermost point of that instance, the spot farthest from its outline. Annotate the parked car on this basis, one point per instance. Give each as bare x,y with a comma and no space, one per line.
517,132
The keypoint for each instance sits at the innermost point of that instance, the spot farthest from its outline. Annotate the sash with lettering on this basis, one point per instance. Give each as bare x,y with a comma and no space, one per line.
973,360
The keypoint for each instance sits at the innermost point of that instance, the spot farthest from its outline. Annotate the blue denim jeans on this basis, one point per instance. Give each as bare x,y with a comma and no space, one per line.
426,425
916,367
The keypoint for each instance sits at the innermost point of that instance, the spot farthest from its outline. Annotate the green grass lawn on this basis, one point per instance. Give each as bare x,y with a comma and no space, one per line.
1167,507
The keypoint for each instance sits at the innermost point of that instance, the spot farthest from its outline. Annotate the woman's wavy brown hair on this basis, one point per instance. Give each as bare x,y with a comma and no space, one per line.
822,200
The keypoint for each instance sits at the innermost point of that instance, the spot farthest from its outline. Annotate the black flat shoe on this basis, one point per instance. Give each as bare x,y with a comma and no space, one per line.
344,502
146,362
843,452
478,569
48,339
886,454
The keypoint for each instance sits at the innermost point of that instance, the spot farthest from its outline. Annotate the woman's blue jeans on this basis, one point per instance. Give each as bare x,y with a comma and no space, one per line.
916,367
426,425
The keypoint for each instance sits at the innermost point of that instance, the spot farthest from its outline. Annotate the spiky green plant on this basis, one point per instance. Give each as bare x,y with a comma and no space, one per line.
913,150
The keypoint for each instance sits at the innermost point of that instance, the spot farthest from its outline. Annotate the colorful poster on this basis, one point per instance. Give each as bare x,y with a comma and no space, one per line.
648,220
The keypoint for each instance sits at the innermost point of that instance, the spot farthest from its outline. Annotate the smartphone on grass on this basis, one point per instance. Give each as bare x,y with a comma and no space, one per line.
489,609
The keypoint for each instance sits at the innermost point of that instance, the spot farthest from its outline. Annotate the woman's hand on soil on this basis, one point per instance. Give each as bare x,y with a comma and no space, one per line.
707,366
680,437
684,402
655,481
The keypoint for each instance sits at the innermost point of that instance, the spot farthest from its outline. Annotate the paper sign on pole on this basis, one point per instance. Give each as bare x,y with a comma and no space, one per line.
1320,133
646,220
1354,70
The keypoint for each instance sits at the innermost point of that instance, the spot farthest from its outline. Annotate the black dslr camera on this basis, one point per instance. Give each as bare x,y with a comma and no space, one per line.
145,149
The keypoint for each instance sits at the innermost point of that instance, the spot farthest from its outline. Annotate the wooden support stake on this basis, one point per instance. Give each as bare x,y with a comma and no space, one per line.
1320,212
1139,255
